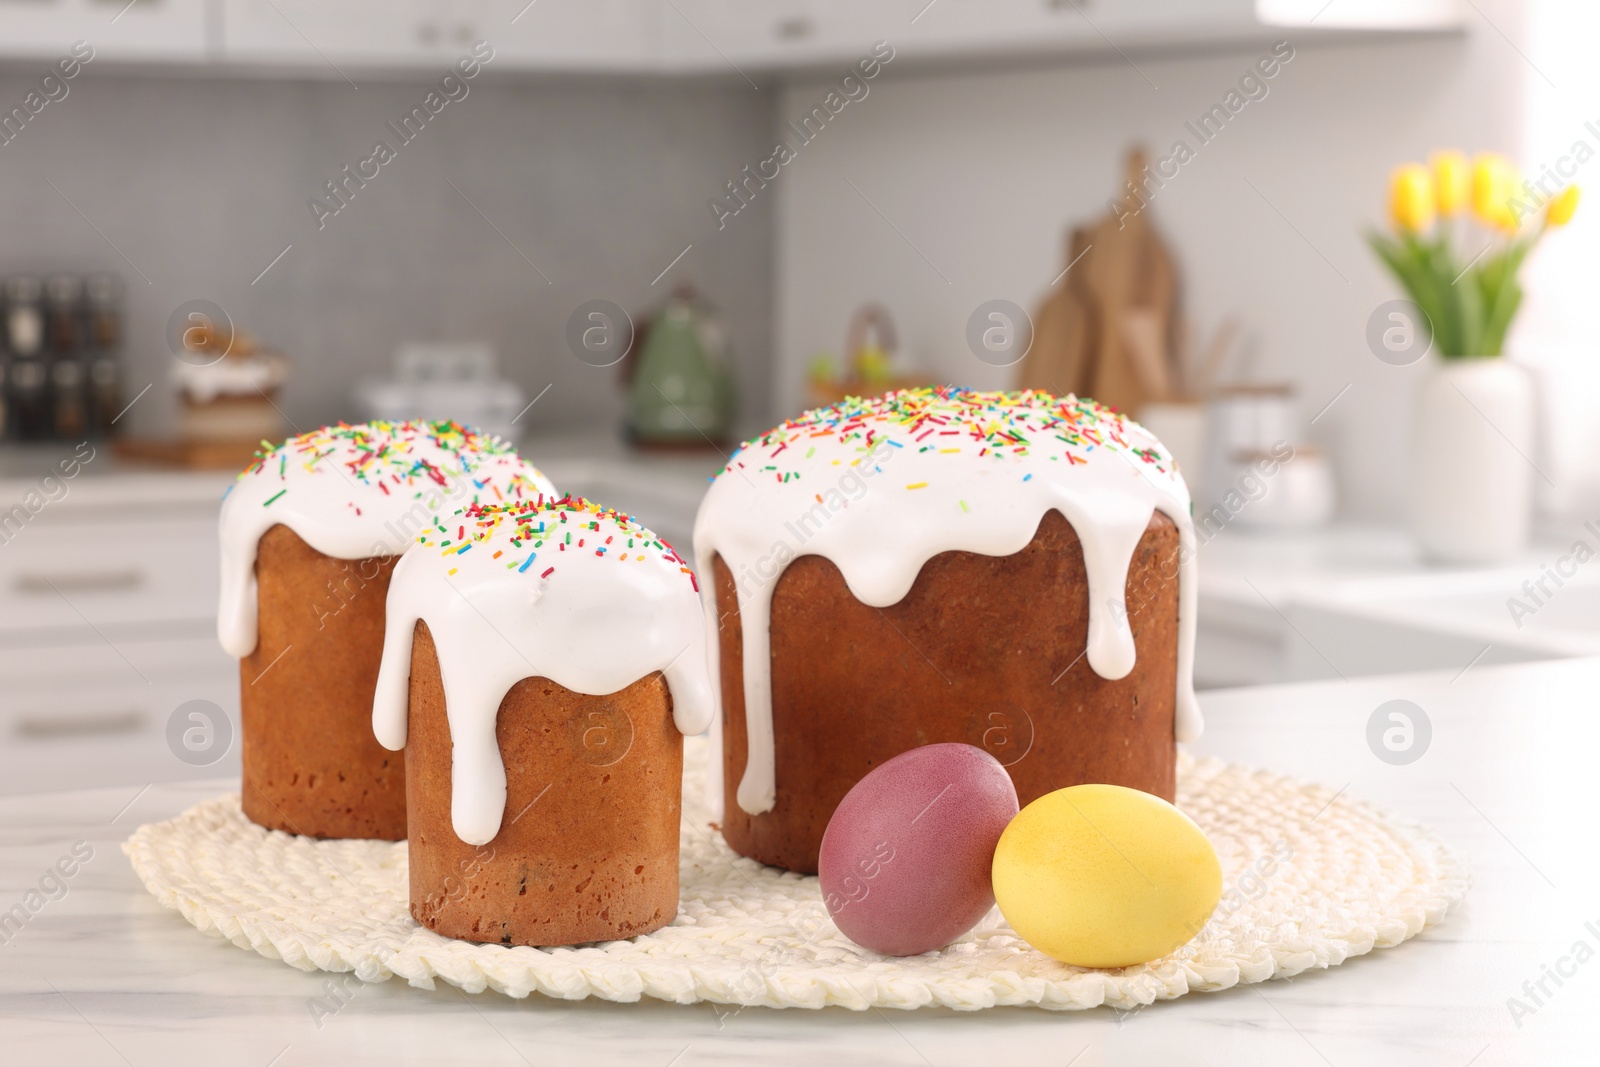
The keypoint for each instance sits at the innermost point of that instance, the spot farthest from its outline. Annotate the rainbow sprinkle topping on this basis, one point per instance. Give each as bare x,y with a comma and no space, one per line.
542,529
386,457
950,420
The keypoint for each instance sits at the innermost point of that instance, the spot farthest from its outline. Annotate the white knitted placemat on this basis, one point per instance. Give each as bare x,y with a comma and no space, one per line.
1309,881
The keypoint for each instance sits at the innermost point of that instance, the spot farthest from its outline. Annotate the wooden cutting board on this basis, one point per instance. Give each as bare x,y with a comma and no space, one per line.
188,455
1122,281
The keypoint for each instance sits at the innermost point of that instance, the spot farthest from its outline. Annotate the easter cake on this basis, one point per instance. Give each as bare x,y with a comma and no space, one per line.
541,664
309,533
1009,570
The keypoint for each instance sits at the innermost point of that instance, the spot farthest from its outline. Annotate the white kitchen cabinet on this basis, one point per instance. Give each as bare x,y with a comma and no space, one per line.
118,552
328,37
755,36
1359,14
63,576
75,716
949,26
108,601
345,38
739,35
164,31
602,36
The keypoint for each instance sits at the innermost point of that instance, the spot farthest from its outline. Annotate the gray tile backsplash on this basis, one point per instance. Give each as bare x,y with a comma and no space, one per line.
200,182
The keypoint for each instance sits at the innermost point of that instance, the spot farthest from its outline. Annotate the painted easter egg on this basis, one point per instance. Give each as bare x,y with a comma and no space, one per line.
1105,876
906,857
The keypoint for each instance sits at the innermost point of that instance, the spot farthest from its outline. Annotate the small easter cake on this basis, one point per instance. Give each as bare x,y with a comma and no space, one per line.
310,532
1009,570
541,664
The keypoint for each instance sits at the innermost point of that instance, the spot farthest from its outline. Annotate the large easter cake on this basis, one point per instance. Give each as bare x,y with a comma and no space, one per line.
1010,570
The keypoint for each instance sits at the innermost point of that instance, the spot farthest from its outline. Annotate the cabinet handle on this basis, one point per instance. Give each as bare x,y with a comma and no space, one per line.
795,29
86,724
82,582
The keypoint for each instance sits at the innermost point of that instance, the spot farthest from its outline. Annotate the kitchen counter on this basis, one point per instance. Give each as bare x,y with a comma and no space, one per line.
99,479
1353,599
105,975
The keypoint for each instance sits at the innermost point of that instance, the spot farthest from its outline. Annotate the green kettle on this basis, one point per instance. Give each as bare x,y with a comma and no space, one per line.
680,393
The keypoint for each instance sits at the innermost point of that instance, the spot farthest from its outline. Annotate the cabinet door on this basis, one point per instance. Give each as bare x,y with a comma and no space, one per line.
703,35
146,30
981,22
593,35
743,35
956,26
315,34
83,716
66,581
589,35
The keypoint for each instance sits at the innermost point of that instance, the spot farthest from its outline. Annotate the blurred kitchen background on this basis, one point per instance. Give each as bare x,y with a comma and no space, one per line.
581,212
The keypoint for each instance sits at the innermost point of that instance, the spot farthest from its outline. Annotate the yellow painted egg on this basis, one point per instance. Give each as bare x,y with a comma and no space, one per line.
1105,876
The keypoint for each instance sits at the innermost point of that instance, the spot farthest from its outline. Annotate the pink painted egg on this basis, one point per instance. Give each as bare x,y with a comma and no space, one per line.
906,858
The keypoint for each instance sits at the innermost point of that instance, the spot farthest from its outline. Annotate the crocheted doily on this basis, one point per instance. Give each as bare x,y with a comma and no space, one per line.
1309,880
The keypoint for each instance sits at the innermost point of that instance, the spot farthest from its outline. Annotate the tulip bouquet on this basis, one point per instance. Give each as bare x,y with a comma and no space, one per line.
1469,301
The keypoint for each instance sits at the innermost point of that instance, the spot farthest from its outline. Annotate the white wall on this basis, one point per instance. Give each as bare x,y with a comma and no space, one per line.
201,182
1559,331
983,173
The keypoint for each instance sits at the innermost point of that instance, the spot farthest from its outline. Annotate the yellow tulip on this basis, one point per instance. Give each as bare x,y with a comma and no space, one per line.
1411,198
1558,212
1494,182
1451,181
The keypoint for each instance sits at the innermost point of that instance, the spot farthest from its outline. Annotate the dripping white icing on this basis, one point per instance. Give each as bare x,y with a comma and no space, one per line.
613,610
881,486
351,492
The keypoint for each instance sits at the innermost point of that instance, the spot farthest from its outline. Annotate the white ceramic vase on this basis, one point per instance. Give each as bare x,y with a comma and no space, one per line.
1471,473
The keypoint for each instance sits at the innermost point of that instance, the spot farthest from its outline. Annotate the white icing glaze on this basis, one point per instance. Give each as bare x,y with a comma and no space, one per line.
351,492
231,375
594,602
878,487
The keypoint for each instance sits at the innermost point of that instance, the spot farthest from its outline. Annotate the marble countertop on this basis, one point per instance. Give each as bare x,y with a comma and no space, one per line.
103,975
1361,599
1379,570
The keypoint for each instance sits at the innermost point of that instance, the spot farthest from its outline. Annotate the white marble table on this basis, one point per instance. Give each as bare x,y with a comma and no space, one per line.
1356,599
105,976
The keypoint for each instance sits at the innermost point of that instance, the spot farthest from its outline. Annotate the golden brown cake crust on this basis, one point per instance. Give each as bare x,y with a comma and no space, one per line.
311,763
986,650
588,847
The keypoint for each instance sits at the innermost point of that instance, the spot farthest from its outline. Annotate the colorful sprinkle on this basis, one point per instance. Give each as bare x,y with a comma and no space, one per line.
525,521
377,455
1000,424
